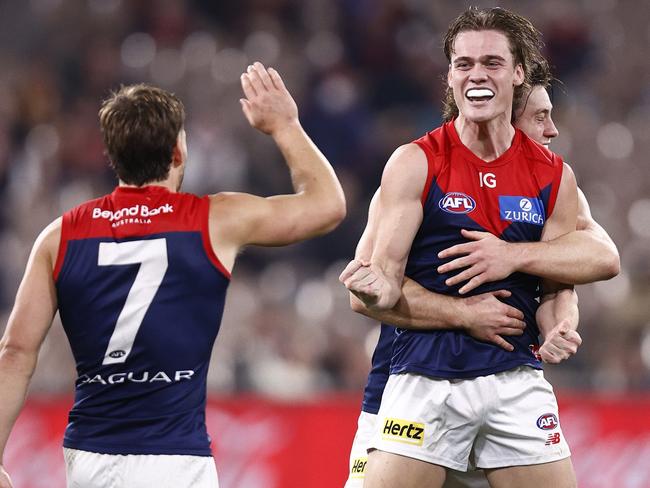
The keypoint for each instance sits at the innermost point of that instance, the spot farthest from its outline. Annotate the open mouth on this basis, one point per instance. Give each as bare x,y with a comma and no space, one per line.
479,94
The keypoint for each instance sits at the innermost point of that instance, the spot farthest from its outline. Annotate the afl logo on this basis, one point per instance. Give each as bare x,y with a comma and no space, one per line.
548,421
457,203
117,353
525,204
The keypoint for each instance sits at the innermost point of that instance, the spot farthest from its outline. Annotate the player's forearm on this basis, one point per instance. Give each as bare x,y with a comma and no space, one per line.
16,369
575,258
417,308
556,307
311,174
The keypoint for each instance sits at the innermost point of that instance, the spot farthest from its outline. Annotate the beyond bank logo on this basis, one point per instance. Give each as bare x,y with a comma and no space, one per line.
528,210
456,202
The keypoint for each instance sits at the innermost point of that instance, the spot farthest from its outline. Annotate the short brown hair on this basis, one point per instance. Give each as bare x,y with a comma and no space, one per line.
524,39
140,125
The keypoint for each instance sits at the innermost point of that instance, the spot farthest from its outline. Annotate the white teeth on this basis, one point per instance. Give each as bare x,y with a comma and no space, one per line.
480,93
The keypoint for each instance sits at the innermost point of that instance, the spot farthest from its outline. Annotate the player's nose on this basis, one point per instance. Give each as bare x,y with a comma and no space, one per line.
478,73
550,130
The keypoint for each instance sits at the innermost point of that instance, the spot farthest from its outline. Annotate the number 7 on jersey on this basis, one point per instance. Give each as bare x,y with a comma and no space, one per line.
151,255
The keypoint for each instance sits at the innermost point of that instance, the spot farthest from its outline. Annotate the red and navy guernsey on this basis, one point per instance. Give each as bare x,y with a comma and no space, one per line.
141,296
511,197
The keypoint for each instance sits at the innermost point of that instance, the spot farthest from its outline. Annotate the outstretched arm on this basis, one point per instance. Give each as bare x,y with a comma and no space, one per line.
483,317
580,256
28,324
318,204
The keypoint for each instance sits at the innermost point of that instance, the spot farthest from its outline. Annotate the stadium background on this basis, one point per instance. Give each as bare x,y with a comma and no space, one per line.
291,358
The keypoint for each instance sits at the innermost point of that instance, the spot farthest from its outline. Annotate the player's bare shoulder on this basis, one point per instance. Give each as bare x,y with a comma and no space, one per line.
47,244
405,169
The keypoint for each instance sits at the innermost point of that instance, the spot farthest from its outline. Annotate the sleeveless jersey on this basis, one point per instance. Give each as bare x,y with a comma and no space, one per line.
511,197
141,296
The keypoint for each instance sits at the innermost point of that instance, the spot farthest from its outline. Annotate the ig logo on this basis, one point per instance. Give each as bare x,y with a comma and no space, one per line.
487,179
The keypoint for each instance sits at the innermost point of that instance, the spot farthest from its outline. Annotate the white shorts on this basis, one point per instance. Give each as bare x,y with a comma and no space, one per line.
359,456
93,470
500,420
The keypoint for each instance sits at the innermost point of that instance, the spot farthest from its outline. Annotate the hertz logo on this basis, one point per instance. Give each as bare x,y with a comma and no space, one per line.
403,431
358,467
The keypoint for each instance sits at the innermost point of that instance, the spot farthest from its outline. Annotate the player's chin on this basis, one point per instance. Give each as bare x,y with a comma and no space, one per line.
479,114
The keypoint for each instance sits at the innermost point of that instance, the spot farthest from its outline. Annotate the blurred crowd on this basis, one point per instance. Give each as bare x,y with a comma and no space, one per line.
368,77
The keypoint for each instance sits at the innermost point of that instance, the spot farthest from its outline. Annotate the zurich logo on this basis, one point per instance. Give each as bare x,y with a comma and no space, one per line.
457,203
525,204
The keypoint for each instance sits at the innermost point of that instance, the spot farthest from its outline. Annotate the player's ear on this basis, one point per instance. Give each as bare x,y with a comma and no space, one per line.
449,75
519,75
179,152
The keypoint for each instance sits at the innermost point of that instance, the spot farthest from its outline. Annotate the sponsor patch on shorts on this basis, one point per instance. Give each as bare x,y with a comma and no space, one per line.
358,469
548,421
403,431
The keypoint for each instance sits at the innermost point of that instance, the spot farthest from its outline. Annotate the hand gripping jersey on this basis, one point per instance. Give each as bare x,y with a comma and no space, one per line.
511,197
141,296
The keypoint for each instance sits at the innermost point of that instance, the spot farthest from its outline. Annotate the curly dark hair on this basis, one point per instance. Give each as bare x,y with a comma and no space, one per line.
524,39
140,125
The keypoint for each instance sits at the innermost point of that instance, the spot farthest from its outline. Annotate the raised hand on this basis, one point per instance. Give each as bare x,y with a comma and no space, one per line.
487,258
486,318
268,106
560,344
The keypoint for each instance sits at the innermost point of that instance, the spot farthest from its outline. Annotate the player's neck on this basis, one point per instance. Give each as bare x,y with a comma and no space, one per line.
167,183
487,140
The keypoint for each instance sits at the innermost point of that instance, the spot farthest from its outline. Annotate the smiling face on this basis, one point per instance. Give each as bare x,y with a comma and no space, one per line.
482,75
535,118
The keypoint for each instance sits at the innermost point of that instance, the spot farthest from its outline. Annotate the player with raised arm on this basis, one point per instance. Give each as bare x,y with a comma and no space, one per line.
139,277
449,395
419,307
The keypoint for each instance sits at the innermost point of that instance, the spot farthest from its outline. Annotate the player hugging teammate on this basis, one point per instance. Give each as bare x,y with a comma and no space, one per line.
459,384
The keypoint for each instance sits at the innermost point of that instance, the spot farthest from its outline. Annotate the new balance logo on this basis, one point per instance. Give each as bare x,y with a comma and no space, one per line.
403,431
552,439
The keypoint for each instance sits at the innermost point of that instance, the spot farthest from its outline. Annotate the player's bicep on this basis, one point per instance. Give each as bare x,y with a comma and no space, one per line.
401,209
367,241
36,302
272,221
